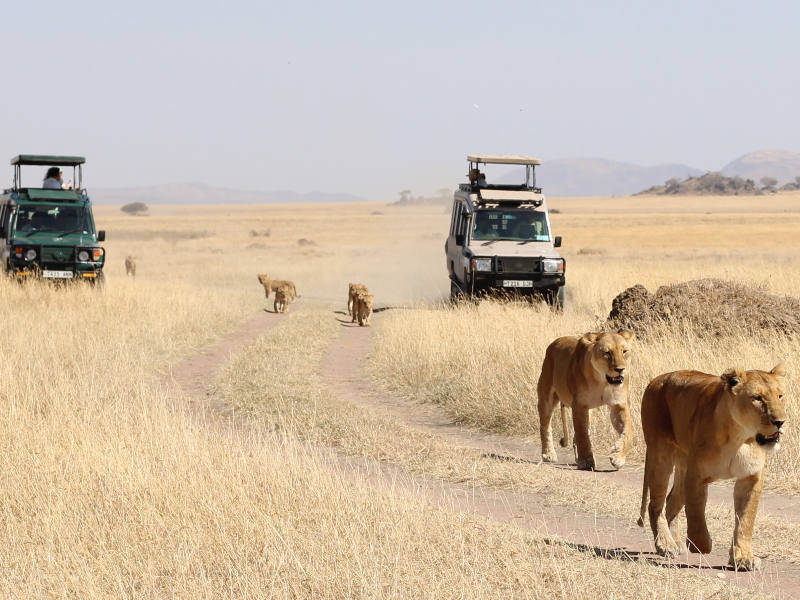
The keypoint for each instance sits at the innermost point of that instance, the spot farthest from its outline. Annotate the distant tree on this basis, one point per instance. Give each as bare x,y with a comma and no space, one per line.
405,196
768,183
797,180
672,185
135,208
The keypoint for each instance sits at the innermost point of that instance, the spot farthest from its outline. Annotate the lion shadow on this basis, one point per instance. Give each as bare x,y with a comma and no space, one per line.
637,556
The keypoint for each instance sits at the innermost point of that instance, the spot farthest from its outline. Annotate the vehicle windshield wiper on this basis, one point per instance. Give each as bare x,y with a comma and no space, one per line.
31,232
61,235
497,240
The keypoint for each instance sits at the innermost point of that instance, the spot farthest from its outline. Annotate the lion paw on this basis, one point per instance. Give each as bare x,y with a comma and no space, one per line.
549,457
564,442
741,562
667,547
585,464
617,461
699,543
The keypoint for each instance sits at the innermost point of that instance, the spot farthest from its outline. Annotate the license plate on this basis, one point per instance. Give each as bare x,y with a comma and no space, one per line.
516,283
57,274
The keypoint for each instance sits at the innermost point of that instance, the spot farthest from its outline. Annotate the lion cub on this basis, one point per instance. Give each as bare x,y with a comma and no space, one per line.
274,284
584,373
282,295
362,309
352,290
704,428
130,265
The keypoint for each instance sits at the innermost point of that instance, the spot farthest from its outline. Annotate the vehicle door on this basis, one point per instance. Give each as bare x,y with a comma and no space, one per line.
452,249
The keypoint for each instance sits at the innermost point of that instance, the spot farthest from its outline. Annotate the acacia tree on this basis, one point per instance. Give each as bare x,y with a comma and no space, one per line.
134,208
768,183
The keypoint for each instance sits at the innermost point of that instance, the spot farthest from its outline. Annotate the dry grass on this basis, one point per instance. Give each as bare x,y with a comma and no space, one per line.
108,493
274,381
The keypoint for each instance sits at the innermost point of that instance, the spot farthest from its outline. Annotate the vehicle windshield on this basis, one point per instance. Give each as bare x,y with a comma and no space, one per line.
53,219
521,225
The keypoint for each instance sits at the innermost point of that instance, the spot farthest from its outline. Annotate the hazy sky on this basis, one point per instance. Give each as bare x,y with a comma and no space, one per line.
373,97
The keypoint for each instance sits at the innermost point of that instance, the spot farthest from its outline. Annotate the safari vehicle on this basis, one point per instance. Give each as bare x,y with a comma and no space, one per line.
500,237
49,233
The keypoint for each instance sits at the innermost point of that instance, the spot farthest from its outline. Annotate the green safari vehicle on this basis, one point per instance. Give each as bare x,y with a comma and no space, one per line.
50,233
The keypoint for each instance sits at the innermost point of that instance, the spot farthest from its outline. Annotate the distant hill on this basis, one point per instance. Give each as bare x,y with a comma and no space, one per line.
198,193
780,164
601,177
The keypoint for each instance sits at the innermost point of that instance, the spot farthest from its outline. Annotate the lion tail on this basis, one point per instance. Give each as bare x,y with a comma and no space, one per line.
645,497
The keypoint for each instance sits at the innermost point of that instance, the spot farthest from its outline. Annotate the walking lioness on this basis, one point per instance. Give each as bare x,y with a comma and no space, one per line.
704,428
583,373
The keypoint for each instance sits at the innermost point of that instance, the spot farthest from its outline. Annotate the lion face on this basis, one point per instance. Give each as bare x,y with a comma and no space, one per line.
263,278
610,354
758,402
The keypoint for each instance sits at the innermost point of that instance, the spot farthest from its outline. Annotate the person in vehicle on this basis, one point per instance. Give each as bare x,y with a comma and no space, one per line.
530,227
52,180
483,228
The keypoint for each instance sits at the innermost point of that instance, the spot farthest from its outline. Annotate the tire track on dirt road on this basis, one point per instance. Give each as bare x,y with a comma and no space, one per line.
343,370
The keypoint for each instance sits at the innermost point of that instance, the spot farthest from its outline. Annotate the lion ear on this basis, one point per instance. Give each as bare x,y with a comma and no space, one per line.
627,334
733,378
778,370
590,338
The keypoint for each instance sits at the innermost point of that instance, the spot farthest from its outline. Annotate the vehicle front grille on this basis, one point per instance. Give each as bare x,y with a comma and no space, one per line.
57,254
518,265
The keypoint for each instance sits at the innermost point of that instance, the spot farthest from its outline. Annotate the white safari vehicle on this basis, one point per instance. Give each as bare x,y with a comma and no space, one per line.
500,238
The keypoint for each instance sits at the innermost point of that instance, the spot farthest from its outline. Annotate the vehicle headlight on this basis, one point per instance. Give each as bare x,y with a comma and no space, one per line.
30,254
83,256
481,264
553,265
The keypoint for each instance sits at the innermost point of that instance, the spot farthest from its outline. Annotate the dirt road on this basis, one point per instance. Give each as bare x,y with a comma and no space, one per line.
343,371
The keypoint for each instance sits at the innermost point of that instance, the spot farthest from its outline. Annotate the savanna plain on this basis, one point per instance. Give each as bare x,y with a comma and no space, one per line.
115,483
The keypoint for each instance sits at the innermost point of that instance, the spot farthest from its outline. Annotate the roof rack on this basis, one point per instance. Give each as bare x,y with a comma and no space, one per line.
45,160
477,180
48,160
501,159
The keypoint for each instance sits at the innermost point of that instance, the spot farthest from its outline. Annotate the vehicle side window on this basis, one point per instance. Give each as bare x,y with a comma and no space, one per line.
456,218
462,222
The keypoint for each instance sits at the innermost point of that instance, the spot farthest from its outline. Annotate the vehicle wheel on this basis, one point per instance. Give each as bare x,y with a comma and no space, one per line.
100,280
456,294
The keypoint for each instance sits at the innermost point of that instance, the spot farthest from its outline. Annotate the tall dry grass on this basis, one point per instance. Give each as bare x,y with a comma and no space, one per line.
482,362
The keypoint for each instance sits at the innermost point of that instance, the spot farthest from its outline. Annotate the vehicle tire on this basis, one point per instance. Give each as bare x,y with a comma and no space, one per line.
99,281
456,295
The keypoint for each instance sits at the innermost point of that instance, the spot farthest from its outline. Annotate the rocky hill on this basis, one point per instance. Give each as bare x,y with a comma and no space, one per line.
779,164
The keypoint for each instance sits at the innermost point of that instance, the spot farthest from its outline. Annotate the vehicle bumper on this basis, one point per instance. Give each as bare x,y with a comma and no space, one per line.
56,272
521,284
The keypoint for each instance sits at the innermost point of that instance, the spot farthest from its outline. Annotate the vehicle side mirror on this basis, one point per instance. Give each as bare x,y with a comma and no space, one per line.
460,239
557,242
101,236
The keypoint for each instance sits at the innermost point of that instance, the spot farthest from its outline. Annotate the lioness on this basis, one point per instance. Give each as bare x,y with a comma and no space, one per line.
586,372
363,309
130,265
273,284
706,428
281,304
352,290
